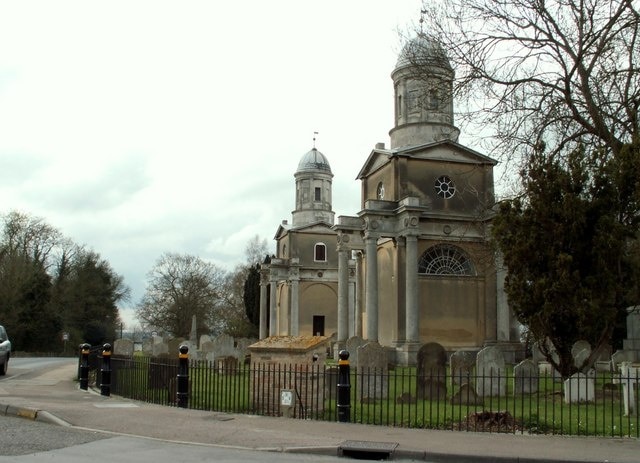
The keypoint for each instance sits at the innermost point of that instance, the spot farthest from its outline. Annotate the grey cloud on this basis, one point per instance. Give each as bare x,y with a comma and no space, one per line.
84,192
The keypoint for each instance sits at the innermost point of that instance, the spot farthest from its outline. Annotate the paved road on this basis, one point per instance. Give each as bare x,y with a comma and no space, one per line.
26,441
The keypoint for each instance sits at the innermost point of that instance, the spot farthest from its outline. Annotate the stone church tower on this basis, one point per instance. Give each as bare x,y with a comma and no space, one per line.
303,274
414,265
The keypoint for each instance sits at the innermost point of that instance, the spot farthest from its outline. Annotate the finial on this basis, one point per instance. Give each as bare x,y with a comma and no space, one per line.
314,139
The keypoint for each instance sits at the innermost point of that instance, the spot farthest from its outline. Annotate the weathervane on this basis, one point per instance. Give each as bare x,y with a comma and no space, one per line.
314,139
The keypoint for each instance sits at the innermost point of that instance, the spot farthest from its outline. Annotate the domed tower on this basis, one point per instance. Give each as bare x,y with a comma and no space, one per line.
313,190
423,83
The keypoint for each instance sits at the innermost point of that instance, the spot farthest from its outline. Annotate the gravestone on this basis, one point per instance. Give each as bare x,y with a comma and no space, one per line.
242,348
466,395
147,346
579,388
204,338
525,377
224,346
206,350
632,342
580,352
490,373
602,358
629,378
461,366
431,372
372,370
123,347
536,354
619,357
331,382
159,346
353,343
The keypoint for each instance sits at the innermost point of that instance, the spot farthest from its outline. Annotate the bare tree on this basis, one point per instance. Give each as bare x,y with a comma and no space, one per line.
541,73
178,287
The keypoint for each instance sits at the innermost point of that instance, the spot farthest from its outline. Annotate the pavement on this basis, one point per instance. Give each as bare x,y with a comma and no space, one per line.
55,397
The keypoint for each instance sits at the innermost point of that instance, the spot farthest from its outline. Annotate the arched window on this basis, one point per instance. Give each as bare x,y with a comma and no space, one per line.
444,259
320,252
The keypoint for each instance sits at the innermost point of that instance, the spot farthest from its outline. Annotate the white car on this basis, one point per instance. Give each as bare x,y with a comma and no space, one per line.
5,350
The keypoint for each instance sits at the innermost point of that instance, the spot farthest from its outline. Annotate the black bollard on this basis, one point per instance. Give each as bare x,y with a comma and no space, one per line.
84,366
182,394
105,371
344,388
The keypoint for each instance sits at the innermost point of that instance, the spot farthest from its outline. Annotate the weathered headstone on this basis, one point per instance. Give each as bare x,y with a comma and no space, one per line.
224,346
123,347
629,378
579,388
331,383
602,357
372,370
490,373
353,343
159,346
466,395
632,342
579,346
580,352
204,338
461,366
536,354
207,347
525,377
620,356
431,372
242,347
147,346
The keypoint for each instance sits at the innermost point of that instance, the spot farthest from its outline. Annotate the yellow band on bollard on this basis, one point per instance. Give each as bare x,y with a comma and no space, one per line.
106,353
343,362
183,356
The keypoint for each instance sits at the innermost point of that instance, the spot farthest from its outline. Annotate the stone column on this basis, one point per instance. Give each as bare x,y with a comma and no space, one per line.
357,330
273,314
343,293
294,323
371,246
263,310
412,313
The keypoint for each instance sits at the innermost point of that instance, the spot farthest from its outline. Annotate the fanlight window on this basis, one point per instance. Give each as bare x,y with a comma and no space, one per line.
445,260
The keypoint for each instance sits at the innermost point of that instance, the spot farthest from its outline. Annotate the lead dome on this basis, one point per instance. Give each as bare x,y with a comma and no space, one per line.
423,50
314,160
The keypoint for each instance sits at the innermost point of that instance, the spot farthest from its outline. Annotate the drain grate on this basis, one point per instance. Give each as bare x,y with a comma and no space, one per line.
367,450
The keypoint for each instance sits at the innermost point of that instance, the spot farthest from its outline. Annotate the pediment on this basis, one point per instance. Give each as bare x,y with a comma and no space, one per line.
320,228
445,151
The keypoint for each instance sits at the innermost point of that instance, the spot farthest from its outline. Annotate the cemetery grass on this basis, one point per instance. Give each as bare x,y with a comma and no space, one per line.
543,412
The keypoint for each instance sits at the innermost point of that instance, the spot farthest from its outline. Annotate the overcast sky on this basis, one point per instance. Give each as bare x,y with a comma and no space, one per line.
143,127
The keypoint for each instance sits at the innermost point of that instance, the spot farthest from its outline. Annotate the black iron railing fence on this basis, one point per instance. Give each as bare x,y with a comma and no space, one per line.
598,404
